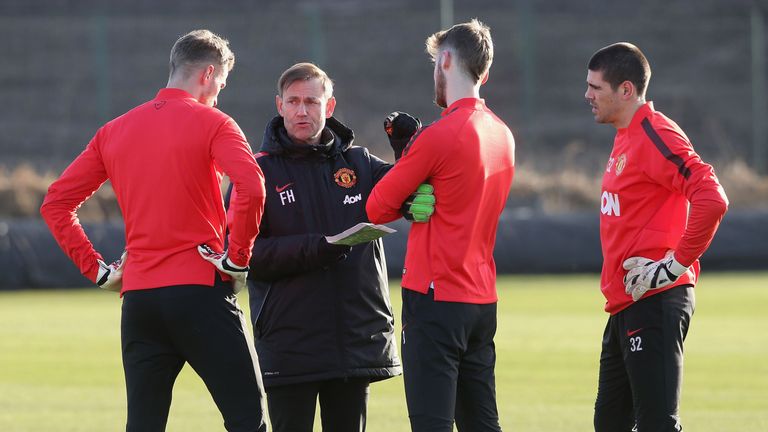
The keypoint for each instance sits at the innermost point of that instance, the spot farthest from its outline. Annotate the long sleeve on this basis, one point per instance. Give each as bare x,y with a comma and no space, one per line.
233,154
65,196
413,168
683,171
708,206
277,257
379,168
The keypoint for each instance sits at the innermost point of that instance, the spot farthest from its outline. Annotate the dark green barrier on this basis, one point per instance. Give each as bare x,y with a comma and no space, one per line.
30,258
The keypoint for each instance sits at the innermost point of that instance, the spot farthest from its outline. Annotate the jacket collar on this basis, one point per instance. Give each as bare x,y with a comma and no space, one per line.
336,138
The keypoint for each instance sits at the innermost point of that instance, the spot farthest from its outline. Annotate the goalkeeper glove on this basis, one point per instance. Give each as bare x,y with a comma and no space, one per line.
645,274
110,277
420,205
400,127
222,262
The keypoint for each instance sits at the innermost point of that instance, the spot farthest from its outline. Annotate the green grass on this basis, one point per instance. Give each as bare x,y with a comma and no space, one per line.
60,360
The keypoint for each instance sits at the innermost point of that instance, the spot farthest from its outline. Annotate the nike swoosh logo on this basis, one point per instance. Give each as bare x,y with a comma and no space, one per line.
630,333
280,189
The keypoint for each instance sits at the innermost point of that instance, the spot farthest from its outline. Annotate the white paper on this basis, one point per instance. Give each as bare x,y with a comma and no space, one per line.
360,233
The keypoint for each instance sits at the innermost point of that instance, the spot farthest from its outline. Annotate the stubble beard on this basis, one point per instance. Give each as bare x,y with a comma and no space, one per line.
440,85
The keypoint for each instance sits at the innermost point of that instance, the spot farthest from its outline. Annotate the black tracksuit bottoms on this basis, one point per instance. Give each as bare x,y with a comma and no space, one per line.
343,405
448,364
163,328
641,364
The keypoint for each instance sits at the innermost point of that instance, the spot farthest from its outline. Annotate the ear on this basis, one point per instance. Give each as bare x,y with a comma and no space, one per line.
207,74
445,59
279,105
627,90
330,106
484,78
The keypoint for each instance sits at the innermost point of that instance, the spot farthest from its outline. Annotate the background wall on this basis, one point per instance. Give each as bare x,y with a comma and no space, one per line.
72,65
69,66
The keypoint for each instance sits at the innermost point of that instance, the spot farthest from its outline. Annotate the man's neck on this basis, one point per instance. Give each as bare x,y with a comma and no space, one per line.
185,85
460,88
629,113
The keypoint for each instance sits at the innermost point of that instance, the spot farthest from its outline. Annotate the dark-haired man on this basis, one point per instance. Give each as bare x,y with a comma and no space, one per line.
449,278
164,159
660,208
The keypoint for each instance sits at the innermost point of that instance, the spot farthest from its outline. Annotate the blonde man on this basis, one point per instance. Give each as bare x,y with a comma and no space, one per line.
164,159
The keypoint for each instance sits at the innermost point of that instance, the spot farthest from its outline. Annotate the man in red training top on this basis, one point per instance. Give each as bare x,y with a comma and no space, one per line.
449,278
651,242
165,159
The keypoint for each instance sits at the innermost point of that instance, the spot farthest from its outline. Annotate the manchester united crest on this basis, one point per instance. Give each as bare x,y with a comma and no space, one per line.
345,178
621,162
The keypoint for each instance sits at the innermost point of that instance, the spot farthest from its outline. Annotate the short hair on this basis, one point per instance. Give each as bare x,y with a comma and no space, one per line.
621,62
200,48
471,41
304,72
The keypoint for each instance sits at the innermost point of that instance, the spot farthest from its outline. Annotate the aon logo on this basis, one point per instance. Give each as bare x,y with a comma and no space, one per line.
352,199
609,204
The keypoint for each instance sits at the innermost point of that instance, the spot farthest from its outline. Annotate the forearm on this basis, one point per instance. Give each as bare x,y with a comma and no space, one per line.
69,234
77,183
245,211
706,212
378,211
233,154
389,194
277,257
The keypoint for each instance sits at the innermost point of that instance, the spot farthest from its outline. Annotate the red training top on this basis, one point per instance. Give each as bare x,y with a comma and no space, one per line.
468,156
165,160
651,177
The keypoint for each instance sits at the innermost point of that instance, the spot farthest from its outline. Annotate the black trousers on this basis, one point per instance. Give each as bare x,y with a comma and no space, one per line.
343,405
641,364
163,328
448,362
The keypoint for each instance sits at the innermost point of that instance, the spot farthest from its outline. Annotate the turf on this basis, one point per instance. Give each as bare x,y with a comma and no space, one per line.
60,360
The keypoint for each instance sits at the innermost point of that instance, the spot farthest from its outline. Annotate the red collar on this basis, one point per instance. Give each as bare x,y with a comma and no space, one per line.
173,93
472,103
644,111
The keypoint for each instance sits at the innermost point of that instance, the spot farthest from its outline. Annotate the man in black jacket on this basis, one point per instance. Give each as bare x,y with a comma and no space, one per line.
321,313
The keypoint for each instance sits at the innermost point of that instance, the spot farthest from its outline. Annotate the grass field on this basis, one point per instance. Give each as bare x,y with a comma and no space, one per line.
60,360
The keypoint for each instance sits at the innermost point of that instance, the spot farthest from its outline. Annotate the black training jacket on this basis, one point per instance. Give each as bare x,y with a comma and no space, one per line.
313,320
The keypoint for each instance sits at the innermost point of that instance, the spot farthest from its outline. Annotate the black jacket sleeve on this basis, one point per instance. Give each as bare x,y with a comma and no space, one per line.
379,168
278,257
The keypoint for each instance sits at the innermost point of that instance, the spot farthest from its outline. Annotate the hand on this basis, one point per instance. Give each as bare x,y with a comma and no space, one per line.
329,253
420,205
221,261
400,127
110,277
645,274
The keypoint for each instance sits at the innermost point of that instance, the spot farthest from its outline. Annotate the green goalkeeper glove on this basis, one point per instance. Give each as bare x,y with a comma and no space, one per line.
420,205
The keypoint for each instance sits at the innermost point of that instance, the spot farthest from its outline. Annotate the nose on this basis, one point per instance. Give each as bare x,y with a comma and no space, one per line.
302,109
588,94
